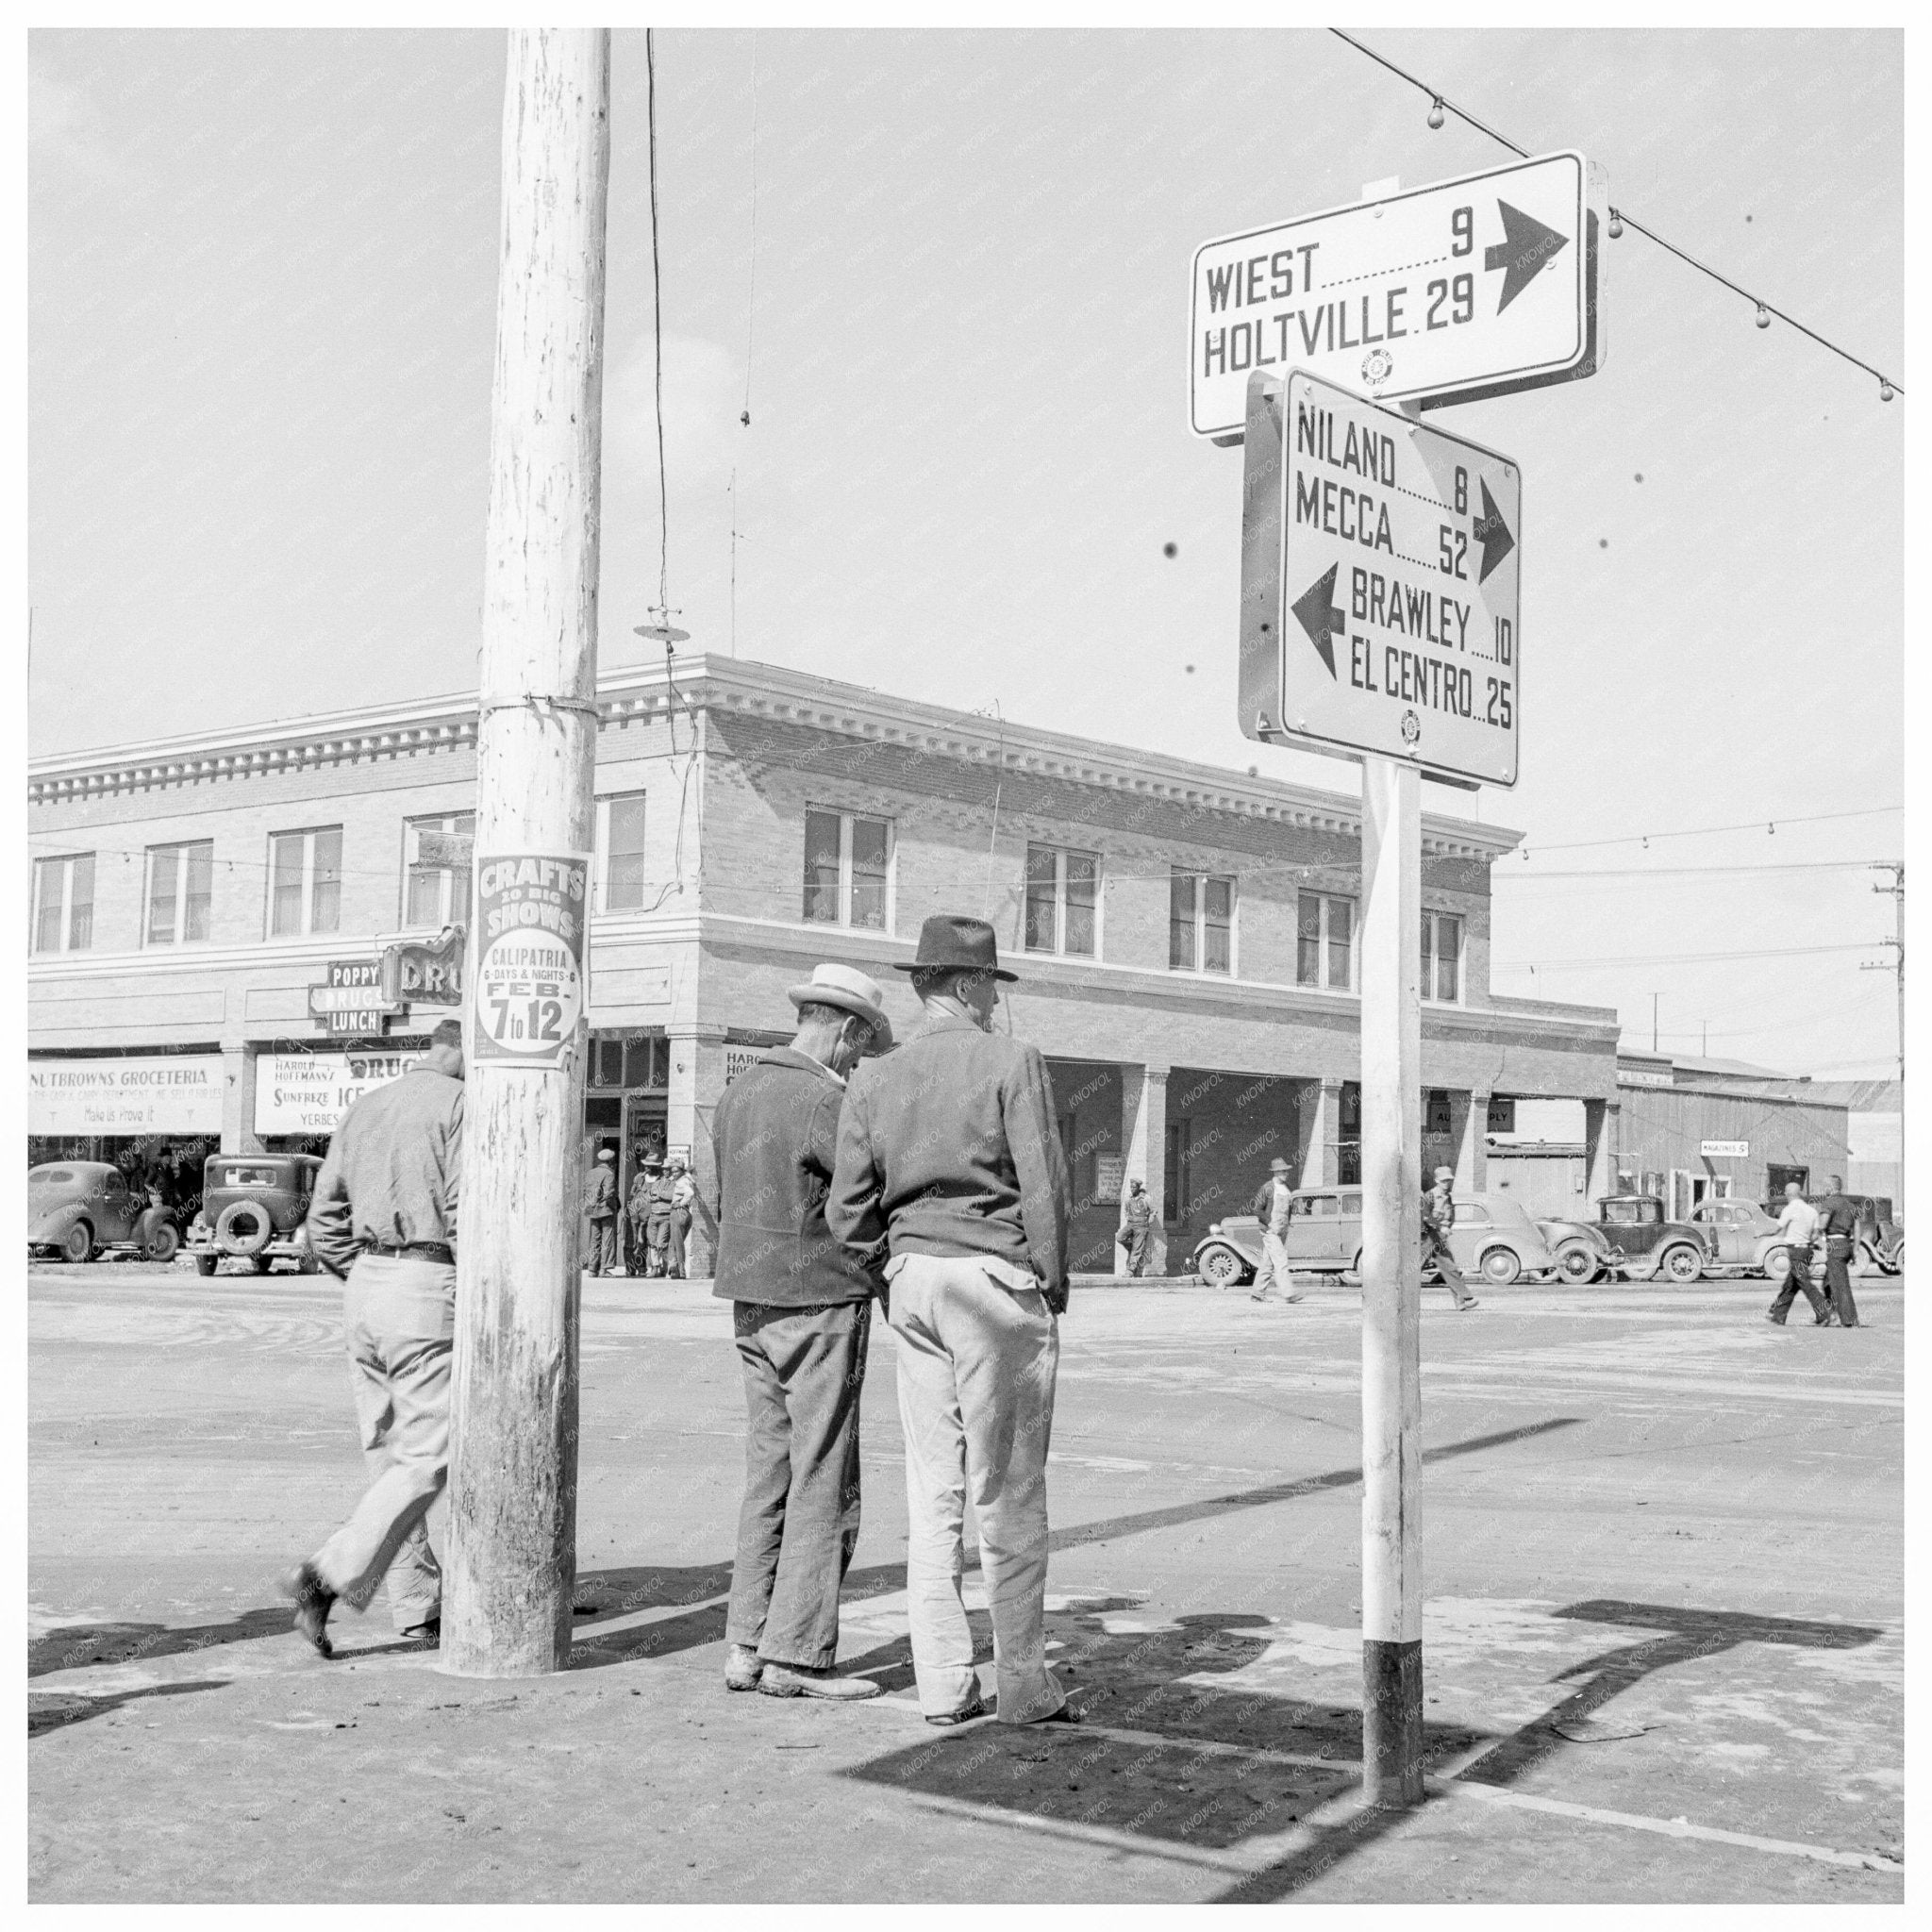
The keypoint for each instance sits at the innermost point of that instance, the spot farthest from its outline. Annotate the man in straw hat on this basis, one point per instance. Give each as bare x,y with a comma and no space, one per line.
949,1152
1274,1210
802,1314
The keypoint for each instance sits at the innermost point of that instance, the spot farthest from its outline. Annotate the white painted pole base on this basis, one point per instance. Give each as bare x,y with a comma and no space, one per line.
1391,1282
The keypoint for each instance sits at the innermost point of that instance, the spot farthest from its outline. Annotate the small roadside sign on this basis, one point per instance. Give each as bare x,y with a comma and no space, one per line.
1725,1150
1473,287
1380,567
527,992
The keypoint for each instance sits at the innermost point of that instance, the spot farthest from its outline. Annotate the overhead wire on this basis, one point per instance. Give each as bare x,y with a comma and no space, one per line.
1770,826
1441,103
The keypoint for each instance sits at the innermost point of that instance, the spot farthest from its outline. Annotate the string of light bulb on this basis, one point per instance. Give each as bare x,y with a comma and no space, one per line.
1440,108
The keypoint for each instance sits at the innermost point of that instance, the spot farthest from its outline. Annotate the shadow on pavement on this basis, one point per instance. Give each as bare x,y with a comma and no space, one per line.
1683,1633
620,1592
54,1710
1161,1683
73,1646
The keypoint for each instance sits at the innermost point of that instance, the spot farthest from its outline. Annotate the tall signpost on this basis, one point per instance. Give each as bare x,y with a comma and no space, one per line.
1380,621
512,1535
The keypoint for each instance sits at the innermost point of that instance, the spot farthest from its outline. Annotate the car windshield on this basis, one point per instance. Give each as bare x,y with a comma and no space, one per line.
249,1177
49,1176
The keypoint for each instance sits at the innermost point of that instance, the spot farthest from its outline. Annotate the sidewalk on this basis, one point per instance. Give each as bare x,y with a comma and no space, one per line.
1710,1577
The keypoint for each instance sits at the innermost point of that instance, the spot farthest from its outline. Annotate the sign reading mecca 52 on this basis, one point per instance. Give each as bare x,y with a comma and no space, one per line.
1380,566
529,986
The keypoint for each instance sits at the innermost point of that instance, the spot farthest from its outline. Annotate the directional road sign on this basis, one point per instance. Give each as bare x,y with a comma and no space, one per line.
1473,287
1380,566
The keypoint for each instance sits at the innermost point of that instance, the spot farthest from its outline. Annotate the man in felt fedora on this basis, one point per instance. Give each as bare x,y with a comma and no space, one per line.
1274,1210
948,1151
801,1316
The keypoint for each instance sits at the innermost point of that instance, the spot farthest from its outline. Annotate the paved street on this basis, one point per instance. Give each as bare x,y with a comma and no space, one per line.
1647,1514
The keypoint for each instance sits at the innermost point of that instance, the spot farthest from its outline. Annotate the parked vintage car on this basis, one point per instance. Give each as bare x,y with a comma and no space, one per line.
1744,1240
1653,1246
1583,1252
1493,1237
252,1208
77,1209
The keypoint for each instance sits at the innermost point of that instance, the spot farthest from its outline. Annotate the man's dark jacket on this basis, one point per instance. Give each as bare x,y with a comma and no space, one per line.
775,1134
949,1146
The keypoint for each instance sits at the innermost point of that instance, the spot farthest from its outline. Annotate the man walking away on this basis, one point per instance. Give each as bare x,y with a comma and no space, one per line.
801,1312
383,1221
1137,1227
1838,1220
600,1214
1439,1217
1798,1222
683,1192
949,1152
1274,1210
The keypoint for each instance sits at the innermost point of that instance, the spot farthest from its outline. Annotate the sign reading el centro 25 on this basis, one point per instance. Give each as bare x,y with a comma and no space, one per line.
1470,288
1380,566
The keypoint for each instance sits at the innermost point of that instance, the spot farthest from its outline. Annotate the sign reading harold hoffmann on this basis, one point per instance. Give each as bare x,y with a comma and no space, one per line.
1380,564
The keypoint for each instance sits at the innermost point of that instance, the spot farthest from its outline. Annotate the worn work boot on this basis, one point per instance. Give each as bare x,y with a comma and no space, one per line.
799,1680
743,1668
313,1599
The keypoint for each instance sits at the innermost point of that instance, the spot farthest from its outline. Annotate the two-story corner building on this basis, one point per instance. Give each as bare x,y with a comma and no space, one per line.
1185,937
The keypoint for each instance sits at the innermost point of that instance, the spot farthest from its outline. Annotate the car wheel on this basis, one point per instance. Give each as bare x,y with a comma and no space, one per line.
1683,1265
1500,1266
1576,1263
205,1264
245,1228
77,1244
1222,1268
163,1245
1777,1264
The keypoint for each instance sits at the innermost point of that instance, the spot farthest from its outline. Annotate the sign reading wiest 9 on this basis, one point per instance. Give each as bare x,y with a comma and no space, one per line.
1473,287
1380,566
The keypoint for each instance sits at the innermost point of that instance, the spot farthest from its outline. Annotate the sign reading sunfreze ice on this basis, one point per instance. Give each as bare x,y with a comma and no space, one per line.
1473,287
529,986
1380,561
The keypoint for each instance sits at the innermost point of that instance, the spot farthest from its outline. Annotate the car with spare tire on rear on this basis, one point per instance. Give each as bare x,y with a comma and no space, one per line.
254,1209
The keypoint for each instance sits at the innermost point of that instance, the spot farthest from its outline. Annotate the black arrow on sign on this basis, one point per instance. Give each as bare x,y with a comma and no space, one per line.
1315,609
1492,533
1525,246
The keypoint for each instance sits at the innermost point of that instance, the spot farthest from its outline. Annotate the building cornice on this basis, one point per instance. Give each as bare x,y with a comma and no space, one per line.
737,686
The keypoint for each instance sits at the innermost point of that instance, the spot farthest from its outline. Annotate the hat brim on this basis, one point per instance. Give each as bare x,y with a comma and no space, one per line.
847,1002
949,966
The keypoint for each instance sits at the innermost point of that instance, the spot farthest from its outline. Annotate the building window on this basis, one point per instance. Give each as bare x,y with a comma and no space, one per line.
1179,1175
1442,957
618,1062
435,875
180,891
1062,900
304,890
1325,942
1200,922
64,904
621,853
848,869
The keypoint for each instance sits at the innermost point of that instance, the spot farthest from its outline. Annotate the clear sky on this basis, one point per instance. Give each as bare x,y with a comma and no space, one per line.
262,311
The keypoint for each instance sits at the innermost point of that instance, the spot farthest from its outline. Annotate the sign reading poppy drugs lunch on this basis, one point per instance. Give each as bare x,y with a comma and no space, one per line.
1475,287
1380,566
527,984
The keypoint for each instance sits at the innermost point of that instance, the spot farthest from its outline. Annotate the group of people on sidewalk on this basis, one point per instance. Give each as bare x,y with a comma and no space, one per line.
932,1182
646,1234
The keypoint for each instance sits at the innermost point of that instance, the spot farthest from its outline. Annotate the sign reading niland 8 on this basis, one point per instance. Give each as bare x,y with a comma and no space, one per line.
1380,566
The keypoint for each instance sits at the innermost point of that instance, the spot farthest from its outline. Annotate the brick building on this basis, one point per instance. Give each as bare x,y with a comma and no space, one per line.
1186,936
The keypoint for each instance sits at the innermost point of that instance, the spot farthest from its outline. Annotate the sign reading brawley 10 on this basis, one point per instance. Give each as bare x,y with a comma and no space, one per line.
1379,584
1470,288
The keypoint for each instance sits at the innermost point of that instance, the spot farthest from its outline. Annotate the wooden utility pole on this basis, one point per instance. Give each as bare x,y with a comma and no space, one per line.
513,1450
1392,1283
